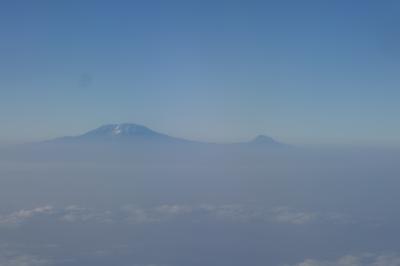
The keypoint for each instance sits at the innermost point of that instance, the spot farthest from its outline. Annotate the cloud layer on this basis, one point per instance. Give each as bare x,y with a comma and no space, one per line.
356,260
135,214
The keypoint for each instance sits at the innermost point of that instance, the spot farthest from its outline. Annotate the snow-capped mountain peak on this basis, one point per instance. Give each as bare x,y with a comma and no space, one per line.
117,130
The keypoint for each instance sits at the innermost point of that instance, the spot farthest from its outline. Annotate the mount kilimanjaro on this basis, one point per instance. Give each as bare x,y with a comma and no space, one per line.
136,143
128,133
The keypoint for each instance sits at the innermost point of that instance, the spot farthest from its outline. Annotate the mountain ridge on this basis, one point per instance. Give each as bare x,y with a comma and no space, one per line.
134,133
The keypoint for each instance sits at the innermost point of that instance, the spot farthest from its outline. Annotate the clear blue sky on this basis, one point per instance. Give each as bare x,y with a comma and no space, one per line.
300,71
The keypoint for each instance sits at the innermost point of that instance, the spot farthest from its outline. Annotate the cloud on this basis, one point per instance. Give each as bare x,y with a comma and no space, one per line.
74,214
10,259
134,214
232,212
151,264
138,215
21,216
165,212
279,215
66,214
287,215
356,260
173,209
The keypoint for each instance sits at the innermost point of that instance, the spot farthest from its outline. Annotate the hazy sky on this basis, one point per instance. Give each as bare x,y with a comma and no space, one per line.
301,71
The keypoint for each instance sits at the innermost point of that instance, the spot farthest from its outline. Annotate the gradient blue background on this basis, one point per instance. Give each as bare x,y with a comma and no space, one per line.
300,71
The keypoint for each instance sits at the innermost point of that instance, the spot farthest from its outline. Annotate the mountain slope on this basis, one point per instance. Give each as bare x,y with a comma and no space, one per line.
119,133
127,134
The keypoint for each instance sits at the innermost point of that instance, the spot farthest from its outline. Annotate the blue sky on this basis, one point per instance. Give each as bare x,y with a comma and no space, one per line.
300,71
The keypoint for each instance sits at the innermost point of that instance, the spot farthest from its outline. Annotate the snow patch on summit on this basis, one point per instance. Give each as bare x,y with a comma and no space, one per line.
117,130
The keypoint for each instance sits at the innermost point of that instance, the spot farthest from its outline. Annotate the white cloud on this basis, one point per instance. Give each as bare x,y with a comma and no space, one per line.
155,214
287,215
67,214
356,260
151,264
78,214
139,215
173,209
21,216
224,212
232,212
238,213
22,260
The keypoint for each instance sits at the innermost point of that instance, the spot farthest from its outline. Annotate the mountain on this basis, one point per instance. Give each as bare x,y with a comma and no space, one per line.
119,133
127,133
136,143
